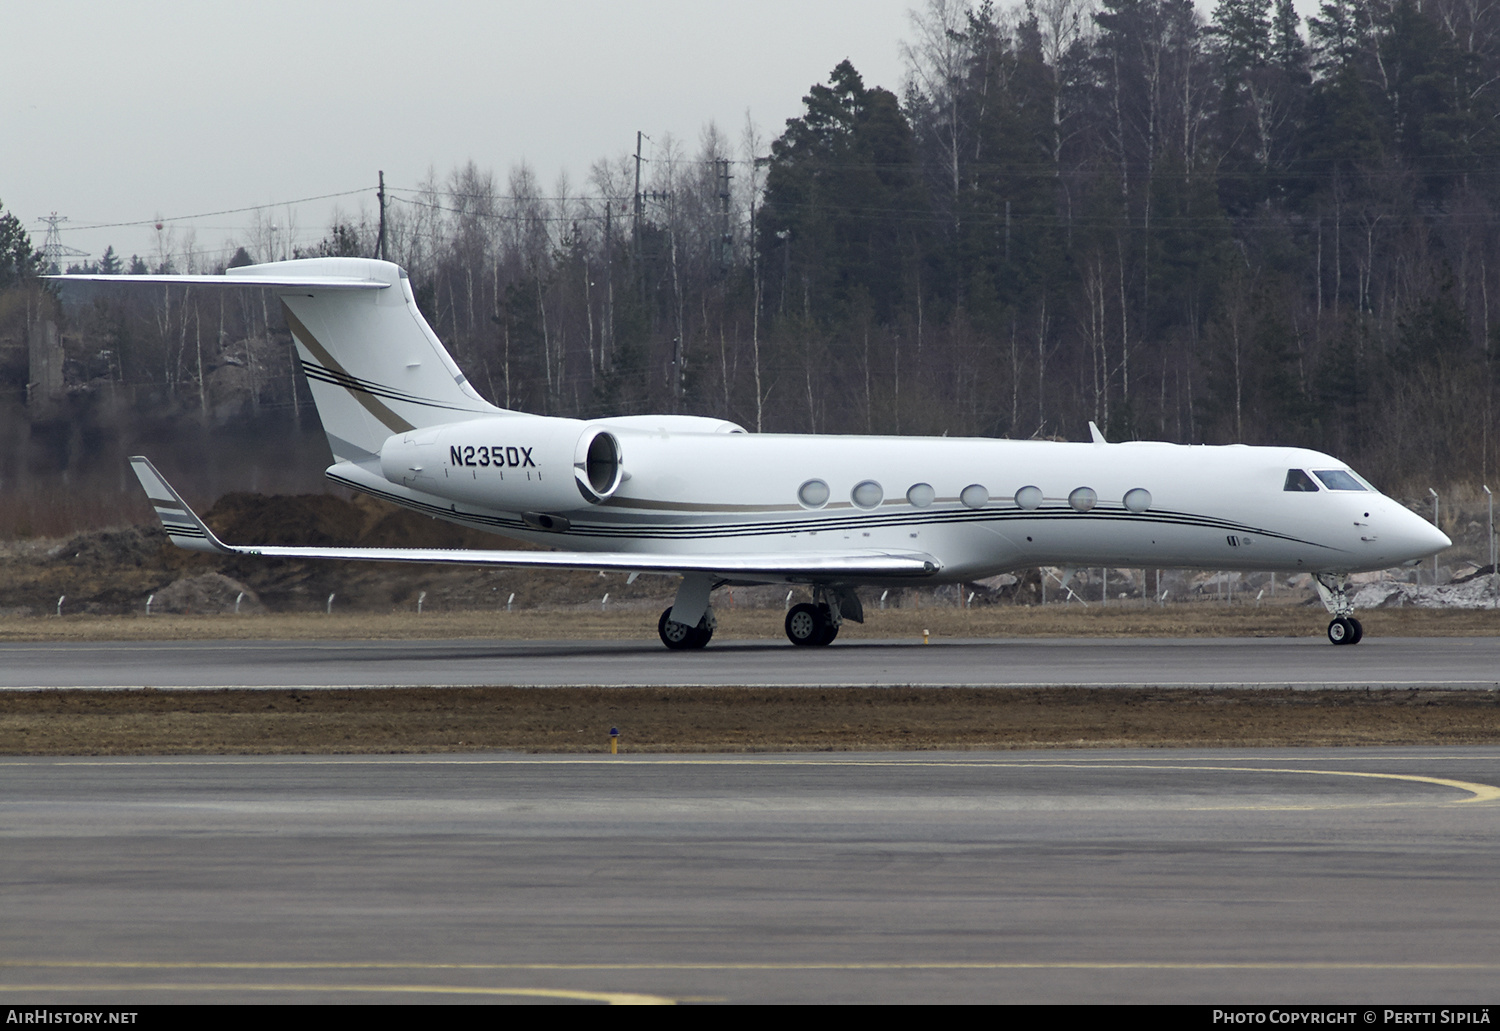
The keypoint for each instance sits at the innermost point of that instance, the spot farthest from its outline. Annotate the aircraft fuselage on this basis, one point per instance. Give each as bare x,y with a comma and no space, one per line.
980,506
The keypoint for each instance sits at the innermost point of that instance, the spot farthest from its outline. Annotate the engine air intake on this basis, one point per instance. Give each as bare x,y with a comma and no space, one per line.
598,470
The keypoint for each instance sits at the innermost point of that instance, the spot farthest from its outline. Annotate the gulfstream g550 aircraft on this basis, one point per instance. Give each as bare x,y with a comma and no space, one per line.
705,500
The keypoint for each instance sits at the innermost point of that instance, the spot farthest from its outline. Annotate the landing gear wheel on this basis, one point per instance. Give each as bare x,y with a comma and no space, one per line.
810,624
830,628
1333,588
1345,630
804,624
680,636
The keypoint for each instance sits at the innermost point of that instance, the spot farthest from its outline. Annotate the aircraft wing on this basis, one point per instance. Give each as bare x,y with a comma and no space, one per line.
187,530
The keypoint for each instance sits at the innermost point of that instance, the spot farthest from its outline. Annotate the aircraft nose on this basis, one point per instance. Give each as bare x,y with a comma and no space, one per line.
1421,539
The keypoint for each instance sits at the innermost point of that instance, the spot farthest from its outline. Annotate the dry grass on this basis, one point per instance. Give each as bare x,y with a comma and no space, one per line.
688,719
589,623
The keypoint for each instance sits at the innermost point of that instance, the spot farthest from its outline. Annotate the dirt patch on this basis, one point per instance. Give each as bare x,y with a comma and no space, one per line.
686,719
210,593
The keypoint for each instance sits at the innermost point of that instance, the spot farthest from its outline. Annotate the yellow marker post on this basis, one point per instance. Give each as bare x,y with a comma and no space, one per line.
614,740
924,638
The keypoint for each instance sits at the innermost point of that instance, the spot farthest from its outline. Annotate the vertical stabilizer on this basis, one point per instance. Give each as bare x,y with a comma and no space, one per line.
373,364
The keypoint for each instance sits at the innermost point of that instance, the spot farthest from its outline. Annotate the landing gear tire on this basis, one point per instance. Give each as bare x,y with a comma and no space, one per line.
1333,588
681,637
810,624
830,631
1345,630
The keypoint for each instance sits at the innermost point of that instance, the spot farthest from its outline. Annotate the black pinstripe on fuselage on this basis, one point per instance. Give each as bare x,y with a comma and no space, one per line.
710,525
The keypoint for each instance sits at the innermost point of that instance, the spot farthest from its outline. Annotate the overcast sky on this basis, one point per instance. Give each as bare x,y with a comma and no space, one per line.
123,112
128,111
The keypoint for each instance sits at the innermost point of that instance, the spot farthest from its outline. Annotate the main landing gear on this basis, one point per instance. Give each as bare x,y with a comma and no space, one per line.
819,622
815,623
1333,588
812,624
680,636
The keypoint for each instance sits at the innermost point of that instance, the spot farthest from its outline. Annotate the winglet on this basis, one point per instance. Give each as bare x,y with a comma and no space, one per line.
181,523
1094,433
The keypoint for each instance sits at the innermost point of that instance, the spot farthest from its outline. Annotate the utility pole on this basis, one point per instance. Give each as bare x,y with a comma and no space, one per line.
635,231
608,344
380,240
638,216
755,278
726,238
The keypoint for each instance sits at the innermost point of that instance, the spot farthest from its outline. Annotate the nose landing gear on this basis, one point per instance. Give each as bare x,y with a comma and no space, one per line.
1333,588
1345,630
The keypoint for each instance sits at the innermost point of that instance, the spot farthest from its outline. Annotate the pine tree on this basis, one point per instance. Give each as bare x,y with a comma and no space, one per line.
1288,51
843,202
18,259
1242,34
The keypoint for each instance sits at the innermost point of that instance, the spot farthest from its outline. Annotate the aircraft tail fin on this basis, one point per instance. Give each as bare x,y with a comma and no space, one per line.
373,364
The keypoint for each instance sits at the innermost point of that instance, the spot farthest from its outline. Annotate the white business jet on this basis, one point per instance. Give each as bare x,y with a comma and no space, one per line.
702,499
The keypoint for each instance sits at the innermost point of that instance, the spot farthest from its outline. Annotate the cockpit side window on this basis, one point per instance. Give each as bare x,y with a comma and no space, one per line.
1338,479
1296,479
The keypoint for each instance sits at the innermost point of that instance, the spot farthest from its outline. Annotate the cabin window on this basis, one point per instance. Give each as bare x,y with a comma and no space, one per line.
1029,498
1296,479
1338,479
974,495
1083,499
867,494
921,494
813,494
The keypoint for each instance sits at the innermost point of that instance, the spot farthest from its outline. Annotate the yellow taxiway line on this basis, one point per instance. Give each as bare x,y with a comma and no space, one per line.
1477,792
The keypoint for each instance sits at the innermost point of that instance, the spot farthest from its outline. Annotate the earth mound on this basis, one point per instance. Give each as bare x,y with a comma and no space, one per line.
210,593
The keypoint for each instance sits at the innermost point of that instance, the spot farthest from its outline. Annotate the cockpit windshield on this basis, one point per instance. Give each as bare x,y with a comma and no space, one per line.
1338,479
1297,479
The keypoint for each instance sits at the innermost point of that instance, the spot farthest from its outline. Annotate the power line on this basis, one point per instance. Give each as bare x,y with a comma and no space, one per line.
499,217
211,214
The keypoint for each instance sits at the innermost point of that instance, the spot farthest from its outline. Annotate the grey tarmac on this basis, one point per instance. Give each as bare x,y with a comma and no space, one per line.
1215,877
1206,662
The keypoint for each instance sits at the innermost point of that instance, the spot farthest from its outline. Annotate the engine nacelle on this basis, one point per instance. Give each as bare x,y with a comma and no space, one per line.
670,424
513,463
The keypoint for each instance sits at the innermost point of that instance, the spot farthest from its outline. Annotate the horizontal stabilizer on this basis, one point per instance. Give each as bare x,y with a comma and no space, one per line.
181,523
188,531
284,282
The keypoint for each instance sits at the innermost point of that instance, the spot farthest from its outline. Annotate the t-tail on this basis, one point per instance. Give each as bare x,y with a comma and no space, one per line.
373,364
